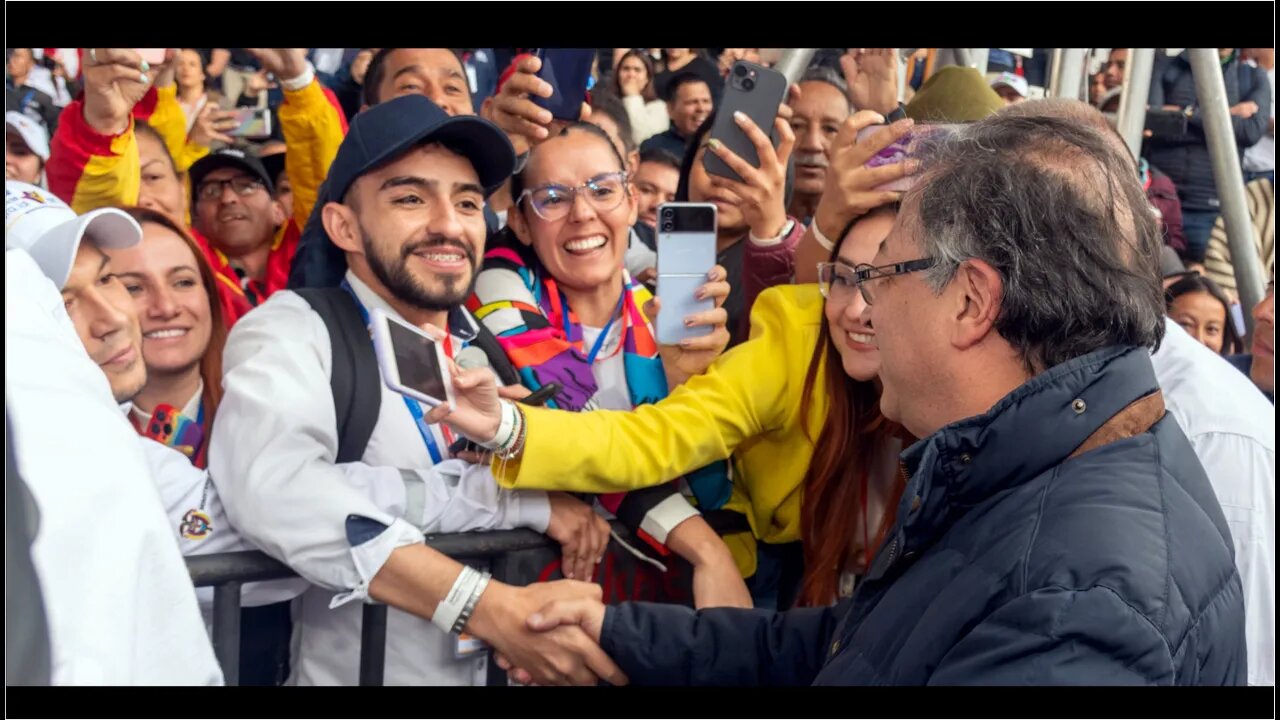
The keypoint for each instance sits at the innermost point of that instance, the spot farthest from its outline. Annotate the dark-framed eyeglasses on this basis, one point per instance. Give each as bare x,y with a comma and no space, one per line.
242,186
864,273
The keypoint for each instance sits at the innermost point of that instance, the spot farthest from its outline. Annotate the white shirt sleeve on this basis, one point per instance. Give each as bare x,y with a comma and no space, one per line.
273,455
1251,519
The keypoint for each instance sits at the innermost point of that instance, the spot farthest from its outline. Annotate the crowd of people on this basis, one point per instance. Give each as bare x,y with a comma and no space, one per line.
977,409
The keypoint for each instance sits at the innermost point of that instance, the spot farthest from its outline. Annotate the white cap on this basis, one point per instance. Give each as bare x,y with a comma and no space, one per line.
32,132
1016,82
38,222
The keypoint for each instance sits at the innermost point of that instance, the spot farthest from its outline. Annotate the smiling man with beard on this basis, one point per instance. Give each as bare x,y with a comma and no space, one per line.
413,182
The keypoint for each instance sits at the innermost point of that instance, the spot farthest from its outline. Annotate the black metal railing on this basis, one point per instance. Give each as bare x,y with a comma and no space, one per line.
500,550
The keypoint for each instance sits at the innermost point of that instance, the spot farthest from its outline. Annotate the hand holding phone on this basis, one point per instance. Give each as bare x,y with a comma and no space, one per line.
412,362
865,170
686,253
252,123
568,72
151,56
537,398
756,92
741,156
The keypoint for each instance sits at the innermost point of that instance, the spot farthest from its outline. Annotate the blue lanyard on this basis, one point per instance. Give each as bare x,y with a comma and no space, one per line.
604,332
415,409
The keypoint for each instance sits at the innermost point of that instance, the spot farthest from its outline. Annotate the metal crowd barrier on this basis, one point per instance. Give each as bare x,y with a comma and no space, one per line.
512,556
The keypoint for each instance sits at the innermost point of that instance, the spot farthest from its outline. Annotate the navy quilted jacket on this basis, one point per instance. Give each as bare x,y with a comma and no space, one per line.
1018,567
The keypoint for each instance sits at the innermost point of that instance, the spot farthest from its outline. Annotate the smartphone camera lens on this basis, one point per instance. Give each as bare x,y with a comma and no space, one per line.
740,70
668,226
748,84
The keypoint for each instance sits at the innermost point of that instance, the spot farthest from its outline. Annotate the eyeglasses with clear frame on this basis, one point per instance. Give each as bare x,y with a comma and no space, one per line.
553,202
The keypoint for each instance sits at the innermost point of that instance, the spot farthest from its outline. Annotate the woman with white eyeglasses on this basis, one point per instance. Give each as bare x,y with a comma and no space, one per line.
567,312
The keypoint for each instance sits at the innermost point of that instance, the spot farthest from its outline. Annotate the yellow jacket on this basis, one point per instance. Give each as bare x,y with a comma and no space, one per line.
89,170
746,405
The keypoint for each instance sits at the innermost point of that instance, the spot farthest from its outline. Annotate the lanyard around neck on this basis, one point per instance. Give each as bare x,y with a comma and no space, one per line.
415,410
562,306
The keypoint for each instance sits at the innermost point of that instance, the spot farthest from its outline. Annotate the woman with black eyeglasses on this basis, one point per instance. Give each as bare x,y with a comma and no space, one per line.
566,311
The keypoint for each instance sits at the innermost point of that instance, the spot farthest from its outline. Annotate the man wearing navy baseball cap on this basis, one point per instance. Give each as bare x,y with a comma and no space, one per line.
407,192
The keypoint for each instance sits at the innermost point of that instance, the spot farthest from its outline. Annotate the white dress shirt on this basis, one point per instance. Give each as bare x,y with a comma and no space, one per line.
119,601
273,460
1232,429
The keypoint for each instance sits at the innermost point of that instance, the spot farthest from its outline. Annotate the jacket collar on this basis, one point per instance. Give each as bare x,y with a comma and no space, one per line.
1031,430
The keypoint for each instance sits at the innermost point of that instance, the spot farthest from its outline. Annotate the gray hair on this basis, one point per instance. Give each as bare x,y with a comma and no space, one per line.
824,74
1056,208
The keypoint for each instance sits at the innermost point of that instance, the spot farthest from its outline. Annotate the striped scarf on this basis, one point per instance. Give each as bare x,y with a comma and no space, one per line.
522,306
542,336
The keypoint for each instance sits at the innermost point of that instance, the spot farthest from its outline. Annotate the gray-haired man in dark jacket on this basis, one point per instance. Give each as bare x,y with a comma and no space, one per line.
1057,527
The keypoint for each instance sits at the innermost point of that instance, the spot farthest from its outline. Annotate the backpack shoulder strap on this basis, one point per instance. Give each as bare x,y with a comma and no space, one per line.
354,378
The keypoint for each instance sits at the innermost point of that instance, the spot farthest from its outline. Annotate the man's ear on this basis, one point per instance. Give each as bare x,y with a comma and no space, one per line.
278,216
633,199
342,227
978,291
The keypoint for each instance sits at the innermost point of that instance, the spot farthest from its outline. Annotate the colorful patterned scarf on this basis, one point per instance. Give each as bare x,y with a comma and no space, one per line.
523,307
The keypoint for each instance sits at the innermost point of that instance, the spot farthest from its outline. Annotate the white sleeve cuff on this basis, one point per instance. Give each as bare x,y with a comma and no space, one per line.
826,243
295,84
369,558
665,516
529,508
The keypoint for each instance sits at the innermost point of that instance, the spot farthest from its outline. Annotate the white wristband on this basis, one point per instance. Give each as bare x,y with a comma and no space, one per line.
506,427
822,239
450,607
766,242
297,83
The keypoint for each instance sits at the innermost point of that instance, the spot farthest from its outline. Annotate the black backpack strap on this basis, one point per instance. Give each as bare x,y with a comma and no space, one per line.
354,378
498,359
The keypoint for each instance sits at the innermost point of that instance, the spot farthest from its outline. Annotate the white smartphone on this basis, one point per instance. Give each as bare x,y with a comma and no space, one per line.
412,362
686,253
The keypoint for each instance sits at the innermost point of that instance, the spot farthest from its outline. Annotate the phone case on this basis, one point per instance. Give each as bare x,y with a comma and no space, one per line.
567,71
755,91
901,150
387,363
255,124
152,56
1166,123
686,253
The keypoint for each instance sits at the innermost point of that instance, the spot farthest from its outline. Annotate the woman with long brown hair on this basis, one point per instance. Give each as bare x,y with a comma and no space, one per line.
854,481
633,83
183,333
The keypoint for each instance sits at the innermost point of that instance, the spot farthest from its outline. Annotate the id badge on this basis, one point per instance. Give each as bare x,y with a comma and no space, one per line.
466,646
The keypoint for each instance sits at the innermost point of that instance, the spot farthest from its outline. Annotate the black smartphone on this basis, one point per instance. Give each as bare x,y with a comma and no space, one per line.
1166,123
537,398
756,91
568,71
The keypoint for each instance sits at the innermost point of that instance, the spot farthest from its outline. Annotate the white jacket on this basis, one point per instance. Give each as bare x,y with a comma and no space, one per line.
1232,428
647,118
272,458
118,598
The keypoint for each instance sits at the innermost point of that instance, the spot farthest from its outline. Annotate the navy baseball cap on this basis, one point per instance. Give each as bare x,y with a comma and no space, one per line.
387,130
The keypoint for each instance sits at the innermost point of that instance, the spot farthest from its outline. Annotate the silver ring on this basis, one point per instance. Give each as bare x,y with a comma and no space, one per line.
93,56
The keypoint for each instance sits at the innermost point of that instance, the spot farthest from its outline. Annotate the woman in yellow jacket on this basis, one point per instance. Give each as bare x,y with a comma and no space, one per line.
796,407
